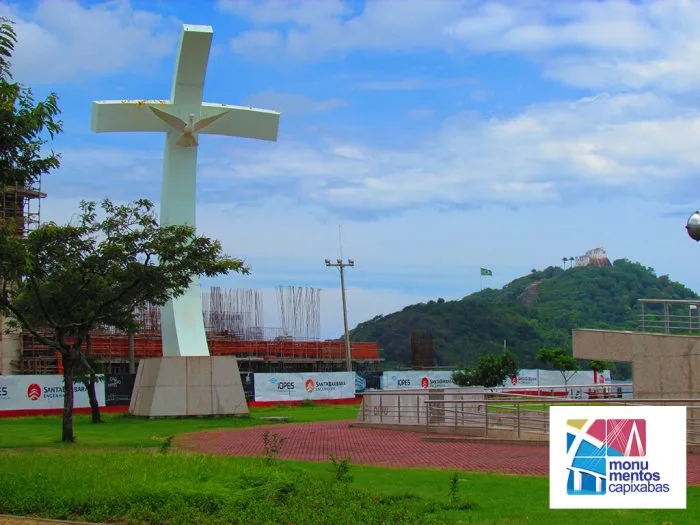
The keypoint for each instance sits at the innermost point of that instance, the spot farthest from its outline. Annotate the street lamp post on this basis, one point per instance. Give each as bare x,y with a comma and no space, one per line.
341,266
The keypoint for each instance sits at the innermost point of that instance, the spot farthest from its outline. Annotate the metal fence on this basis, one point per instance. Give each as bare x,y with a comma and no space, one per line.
669,316
478,413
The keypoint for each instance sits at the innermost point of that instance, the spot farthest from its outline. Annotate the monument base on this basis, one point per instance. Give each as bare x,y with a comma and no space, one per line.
188,386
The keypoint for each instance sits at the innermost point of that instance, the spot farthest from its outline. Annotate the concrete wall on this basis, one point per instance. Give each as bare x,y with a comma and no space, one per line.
663,366
188,386
407,407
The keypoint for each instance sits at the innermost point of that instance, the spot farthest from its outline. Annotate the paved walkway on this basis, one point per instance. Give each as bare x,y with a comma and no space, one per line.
390,448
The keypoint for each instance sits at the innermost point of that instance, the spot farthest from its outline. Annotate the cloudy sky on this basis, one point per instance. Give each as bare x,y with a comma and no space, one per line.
441,135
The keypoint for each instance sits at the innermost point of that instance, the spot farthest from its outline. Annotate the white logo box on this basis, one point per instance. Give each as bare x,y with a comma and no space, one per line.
620,457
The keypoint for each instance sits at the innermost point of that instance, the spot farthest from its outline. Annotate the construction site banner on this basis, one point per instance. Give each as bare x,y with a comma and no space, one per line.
297,387
42,392
412,379
540,378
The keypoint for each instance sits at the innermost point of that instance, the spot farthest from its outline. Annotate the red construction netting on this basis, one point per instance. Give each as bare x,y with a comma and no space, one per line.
118,346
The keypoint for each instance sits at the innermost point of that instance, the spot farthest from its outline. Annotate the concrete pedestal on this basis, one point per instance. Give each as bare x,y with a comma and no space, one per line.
188,386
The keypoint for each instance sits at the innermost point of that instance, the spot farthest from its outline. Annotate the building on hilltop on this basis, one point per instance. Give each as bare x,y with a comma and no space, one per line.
594,257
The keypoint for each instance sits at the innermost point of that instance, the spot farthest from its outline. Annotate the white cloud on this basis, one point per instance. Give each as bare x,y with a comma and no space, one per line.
408,84
320,29
626,142
60,40
292,103
299,11
637,143
591,44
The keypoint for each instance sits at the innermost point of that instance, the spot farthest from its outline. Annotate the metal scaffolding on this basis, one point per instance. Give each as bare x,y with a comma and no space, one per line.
237,313
21,204
300,311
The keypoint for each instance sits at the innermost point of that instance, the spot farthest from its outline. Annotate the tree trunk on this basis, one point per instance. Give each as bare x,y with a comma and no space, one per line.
132,360
68,379
89,383
92,396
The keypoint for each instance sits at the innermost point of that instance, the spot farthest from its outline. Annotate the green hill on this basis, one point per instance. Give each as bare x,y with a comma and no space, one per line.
536,310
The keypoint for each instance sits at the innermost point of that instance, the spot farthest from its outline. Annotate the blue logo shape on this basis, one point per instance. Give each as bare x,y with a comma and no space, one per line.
273,380
587,450
394,378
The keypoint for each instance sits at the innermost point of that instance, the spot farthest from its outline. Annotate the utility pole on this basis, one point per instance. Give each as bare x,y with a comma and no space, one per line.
341,266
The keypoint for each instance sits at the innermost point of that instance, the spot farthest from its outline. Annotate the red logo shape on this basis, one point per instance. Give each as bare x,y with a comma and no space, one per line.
424,383
309,385
34,392
627,436
514,380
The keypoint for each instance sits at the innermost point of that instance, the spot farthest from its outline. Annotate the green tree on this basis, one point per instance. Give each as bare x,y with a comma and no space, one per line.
490,371
558,359
599,366
25,125
62,282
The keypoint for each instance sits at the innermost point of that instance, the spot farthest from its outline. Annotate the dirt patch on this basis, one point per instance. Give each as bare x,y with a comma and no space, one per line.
16,520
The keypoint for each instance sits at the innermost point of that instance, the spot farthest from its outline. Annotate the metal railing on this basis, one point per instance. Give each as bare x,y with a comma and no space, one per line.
491,415
669,316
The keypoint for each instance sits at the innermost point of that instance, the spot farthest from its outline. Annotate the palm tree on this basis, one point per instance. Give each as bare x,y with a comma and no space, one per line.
564,259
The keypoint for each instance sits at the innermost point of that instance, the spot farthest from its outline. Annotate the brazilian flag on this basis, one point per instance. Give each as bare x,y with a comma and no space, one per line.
486,271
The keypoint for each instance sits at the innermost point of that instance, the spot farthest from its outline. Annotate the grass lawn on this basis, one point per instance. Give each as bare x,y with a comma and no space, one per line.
117,472
123,430
144,486
540,406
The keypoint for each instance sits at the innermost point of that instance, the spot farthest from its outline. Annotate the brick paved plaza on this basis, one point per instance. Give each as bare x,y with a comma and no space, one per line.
389,448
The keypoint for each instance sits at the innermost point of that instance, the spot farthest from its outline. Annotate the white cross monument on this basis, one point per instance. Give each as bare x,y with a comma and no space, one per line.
182,117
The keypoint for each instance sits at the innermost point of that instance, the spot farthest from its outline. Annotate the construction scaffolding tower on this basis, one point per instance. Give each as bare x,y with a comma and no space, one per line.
22,205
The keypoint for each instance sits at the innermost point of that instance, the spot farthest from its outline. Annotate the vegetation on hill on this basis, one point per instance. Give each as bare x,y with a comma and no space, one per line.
535,311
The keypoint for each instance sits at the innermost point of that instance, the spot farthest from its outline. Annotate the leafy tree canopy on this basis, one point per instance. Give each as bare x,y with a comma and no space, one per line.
25,125
63,281
490,371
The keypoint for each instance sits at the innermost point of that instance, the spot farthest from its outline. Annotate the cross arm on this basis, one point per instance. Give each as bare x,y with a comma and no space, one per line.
240,121
127,115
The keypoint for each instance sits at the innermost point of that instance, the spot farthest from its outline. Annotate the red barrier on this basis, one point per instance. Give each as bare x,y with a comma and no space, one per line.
144,347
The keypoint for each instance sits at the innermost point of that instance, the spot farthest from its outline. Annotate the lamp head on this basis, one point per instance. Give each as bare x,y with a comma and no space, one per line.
328,262
693,226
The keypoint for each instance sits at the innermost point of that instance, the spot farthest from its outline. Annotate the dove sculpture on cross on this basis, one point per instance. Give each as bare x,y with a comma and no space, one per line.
188,129
182,118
